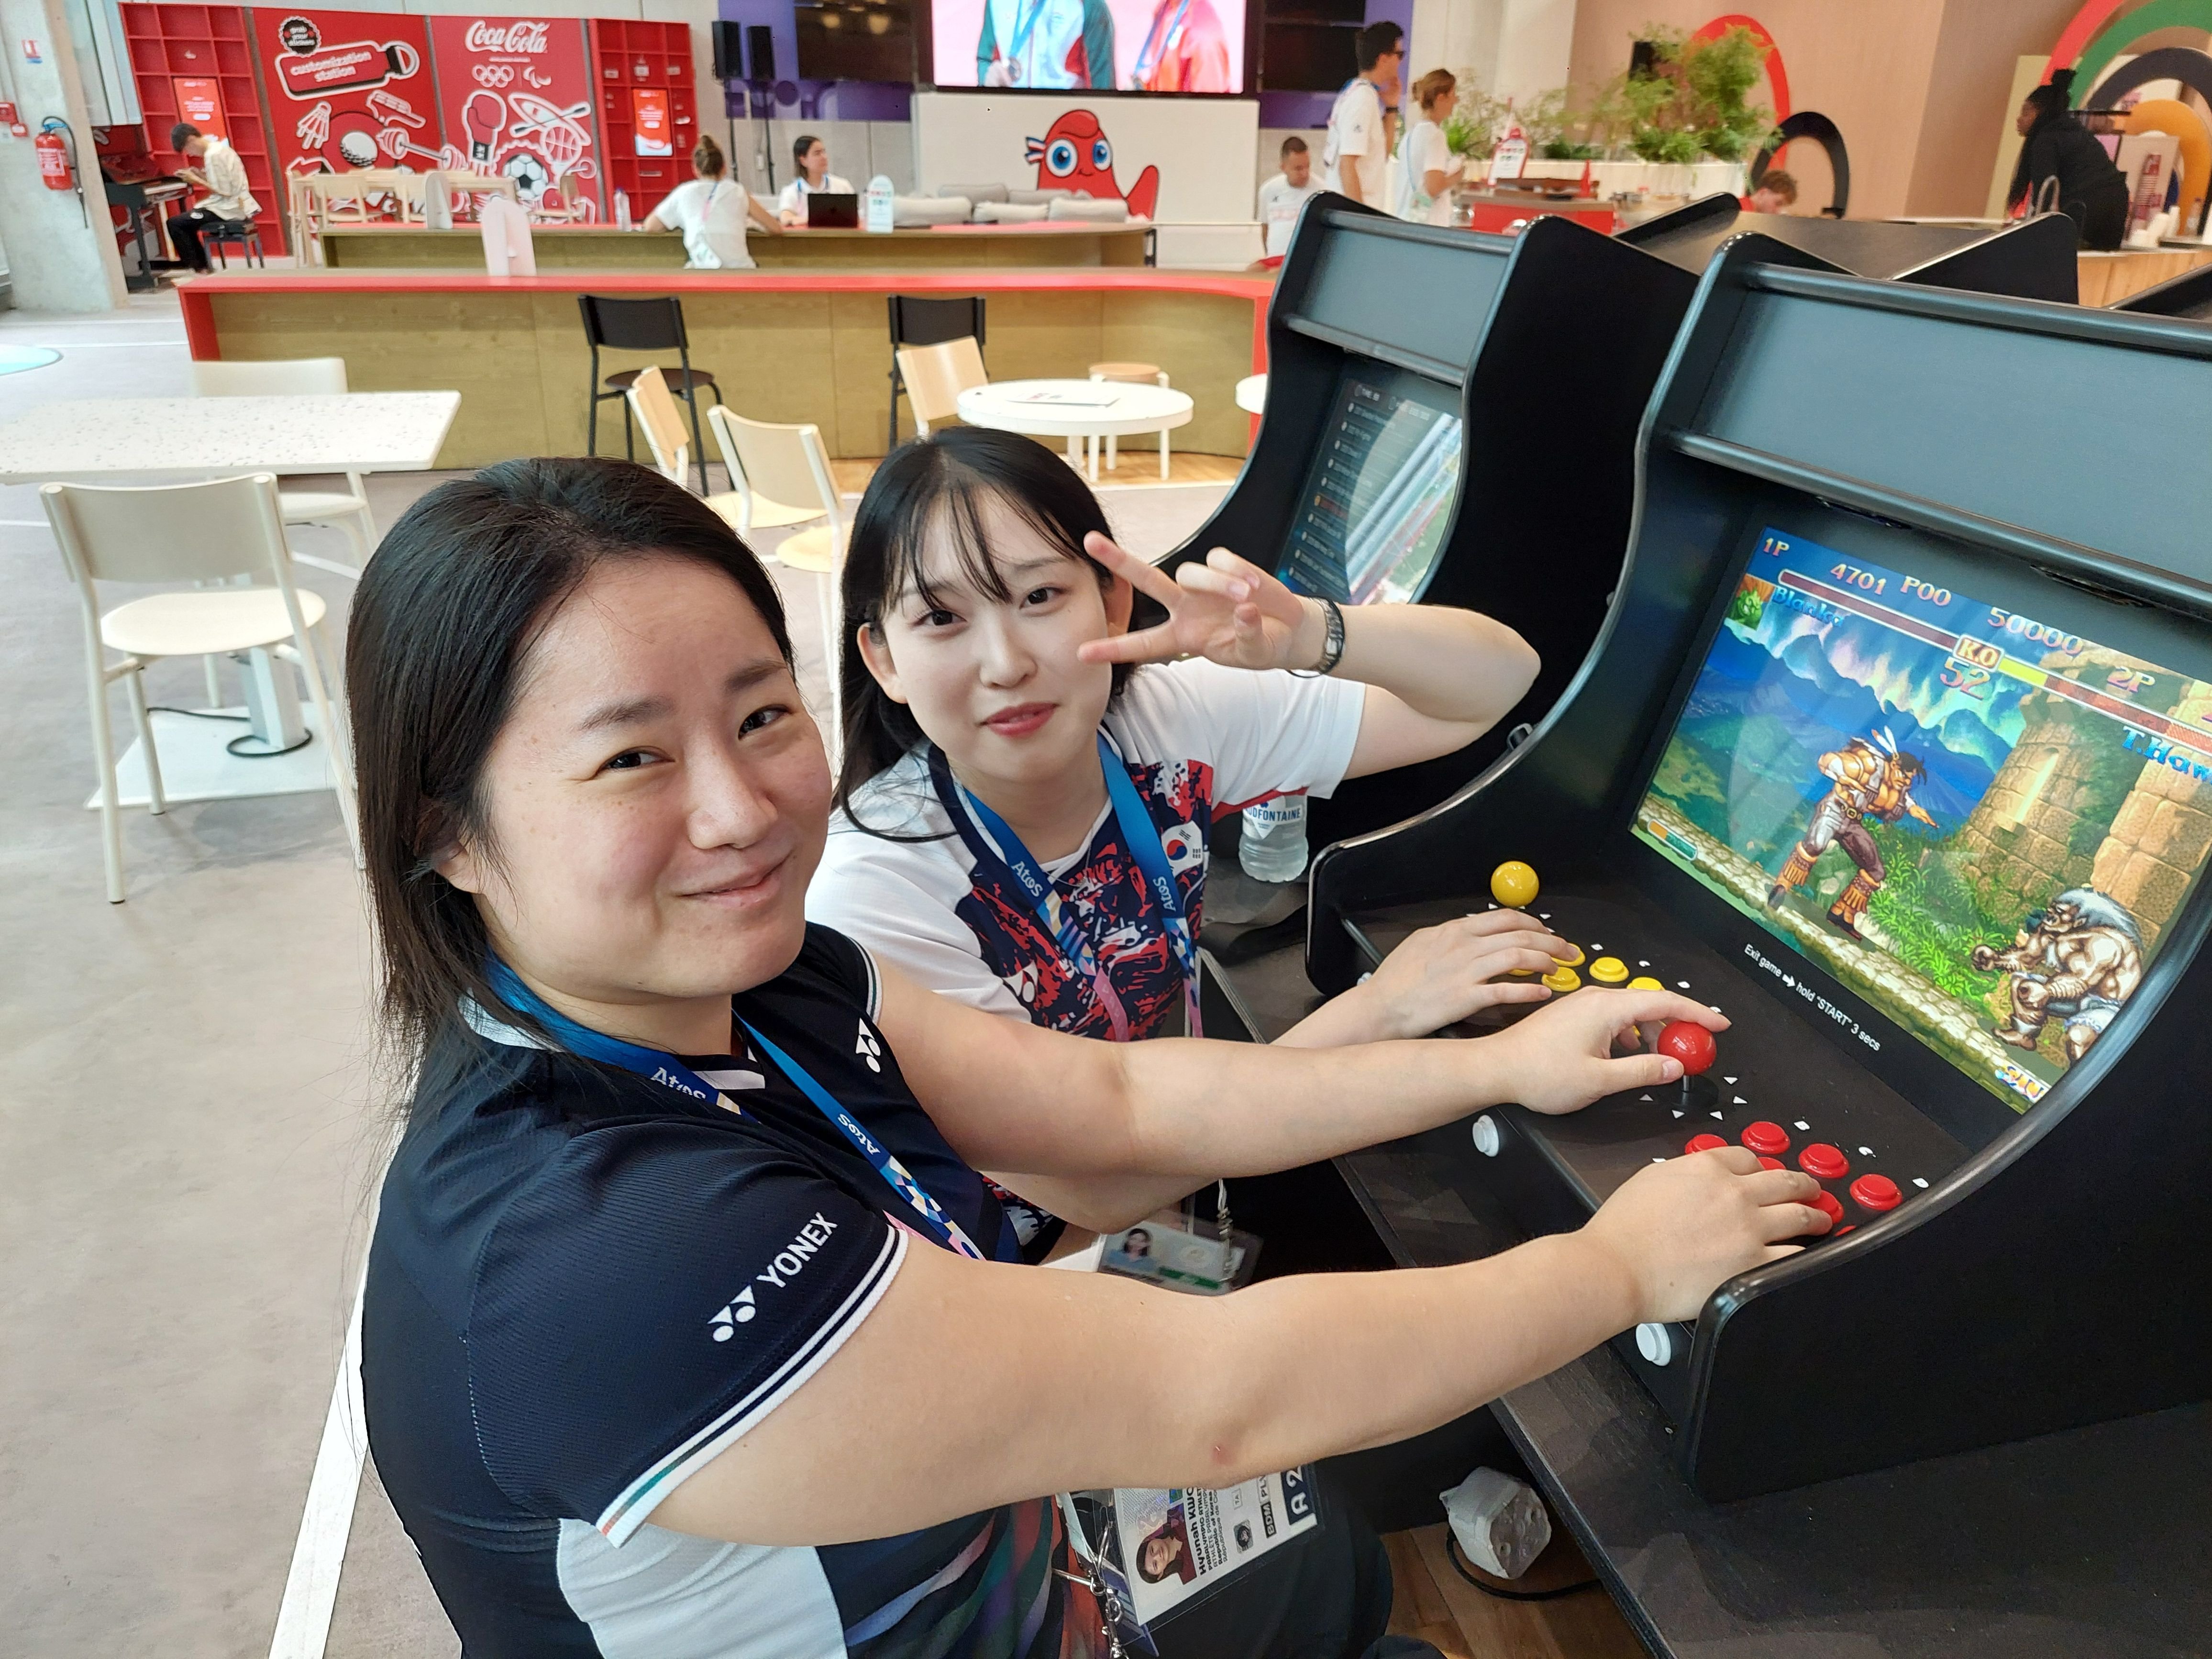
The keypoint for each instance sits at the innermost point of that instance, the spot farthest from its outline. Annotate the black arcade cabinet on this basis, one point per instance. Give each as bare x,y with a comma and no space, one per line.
1451,420
1896,746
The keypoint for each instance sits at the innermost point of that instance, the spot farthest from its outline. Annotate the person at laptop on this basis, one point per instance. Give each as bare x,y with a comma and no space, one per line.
711,210
814,179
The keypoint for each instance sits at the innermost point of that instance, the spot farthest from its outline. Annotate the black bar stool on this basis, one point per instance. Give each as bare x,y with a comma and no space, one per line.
241,233
655,325
916,321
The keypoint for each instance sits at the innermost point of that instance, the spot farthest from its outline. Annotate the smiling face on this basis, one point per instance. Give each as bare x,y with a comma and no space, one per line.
995,681
657,799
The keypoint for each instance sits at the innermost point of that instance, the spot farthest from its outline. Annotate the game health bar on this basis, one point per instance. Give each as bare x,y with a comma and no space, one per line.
1984,654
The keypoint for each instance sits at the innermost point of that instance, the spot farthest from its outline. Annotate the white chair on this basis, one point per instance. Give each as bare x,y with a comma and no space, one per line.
1130,375
936,375
346,511
782,476
199,533
653,407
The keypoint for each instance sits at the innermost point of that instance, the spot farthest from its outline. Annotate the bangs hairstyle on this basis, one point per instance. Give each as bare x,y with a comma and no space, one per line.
437,648
935,491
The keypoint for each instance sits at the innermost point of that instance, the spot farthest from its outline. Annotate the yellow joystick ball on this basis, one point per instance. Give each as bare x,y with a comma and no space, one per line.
1514,883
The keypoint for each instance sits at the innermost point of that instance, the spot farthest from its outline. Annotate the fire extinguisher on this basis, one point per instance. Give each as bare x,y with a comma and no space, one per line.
57,148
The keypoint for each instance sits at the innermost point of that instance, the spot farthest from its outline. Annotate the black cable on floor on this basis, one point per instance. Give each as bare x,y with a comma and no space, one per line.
232,748
1464,1570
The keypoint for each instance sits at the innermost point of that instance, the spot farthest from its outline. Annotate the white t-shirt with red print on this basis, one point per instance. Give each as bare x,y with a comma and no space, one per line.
1200,741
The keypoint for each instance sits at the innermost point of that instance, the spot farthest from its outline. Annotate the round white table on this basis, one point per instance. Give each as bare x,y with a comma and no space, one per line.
1077,410
1252,394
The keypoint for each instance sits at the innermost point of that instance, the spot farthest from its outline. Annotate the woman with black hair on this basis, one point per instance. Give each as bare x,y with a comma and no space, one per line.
689,1328
2061,165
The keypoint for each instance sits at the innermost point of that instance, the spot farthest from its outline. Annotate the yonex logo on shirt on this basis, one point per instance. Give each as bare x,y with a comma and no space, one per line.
868,1048
787,1265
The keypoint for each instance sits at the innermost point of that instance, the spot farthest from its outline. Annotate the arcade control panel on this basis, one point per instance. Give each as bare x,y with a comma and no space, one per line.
1769,1082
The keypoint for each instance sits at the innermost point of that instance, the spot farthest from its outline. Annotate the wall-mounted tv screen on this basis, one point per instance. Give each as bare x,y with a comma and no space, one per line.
1303,57
1095,45
855,40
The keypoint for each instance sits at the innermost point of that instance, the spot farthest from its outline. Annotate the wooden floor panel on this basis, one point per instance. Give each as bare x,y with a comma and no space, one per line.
1434,1603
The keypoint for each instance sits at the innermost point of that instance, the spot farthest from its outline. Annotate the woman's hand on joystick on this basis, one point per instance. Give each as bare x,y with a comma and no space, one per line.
1560,1059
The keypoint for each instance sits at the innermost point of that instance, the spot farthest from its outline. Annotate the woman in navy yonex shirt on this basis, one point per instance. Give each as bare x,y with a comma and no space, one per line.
679,1337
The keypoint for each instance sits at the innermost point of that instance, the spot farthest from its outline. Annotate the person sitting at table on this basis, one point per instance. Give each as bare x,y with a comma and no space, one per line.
711,210
222,176
814,180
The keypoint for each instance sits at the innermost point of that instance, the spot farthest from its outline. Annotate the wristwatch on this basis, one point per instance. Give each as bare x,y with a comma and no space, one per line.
1332,650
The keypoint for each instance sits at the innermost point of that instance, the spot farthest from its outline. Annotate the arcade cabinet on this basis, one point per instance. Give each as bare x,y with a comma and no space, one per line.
2189,295
2033,259
1896,747
1442,404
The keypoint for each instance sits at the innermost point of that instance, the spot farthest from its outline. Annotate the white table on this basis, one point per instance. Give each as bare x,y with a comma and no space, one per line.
1252,394
179,439
101,439
1077,410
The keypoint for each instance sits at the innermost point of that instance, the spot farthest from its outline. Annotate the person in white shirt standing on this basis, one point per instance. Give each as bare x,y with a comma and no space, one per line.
1431,169
1357,152
1283,196
711,210
814,177
222,176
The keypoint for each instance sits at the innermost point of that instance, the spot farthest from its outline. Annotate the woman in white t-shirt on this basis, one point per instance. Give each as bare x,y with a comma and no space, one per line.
1431,169
711,210
812,156
1027,787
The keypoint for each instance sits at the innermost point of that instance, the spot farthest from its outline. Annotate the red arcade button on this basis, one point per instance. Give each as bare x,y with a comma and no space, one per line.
1769,1140
1876,1192
1823,1162
1826,1204
1704,1143
1766,1163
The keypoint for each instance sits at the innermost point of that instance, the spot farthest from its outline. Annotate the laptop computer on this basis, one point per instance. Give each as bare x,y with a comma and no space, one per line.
831,209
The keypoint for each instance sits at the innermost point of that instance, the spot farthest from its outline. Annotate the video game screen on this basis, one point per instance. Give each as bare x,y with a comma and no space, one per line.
1378,496
1980,822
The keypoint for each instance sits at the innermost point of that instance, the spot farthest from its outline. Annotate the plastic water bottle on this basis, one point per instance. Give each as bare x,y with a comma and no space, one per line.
881,206
1274,845
621,209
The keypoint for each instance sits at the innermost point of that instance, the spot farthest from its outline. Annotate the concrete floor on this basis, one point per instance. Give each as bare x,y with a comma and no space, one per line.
190,1128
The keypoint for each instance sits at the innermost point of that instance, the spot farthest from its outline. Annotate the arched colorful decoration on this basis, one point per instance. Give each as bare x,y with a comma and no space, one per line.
1777,78
1810,124
2171,115
2117,36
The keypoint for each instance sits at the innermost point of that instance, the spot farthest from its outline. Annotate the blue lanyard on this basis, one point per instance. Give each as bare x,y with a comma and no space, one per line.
1147,58
1141,836
671,1072
1023,27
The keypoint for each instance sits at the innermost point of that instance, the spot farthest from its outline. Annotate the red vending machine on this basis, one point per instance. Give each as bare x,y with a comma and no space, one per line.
515,93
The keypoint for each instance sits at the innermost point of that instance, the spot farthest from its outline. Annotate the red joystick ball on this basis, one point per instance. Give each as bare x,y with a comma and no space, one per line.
1689,1042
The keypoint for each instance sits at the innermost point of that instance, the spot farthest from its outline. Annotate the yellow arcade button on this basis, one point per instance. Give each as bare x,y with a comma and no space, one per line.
1574,960
1608,970
1645,982
1513,884
1563,979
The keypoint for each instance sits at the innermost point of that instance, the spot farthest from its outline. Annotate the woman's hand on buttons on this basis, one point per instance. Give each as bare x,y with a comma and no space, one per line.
1562,1058
1226,609
1681,1229
1442,975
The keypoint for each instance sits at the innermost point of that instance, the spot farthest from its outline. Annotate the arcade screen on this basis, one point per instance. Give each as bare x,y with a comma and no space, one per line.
1378,496
1089,45
1981,823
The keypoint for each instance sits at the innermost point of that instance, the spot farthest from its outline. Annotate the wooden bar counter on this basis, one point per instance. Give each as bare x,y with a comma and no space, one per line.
782,346
602,248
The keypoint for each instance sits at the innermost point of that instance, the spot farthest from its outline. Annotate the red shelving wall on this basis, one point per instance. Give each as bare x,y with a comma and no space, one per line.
625,55
206,42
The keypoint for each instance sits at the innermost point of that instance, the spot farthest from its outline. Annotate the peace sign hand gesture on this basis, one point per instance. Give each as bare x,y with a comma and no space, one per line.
1227,610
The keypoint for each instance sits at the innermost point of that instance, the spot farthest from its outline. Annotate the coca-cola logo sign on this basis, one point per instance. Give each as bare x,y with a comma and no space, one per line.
518,36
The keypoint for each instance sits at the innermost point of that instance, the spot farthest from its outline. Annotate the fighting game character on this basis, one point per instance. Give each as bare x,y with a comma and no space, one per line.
2077,960
1873,781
